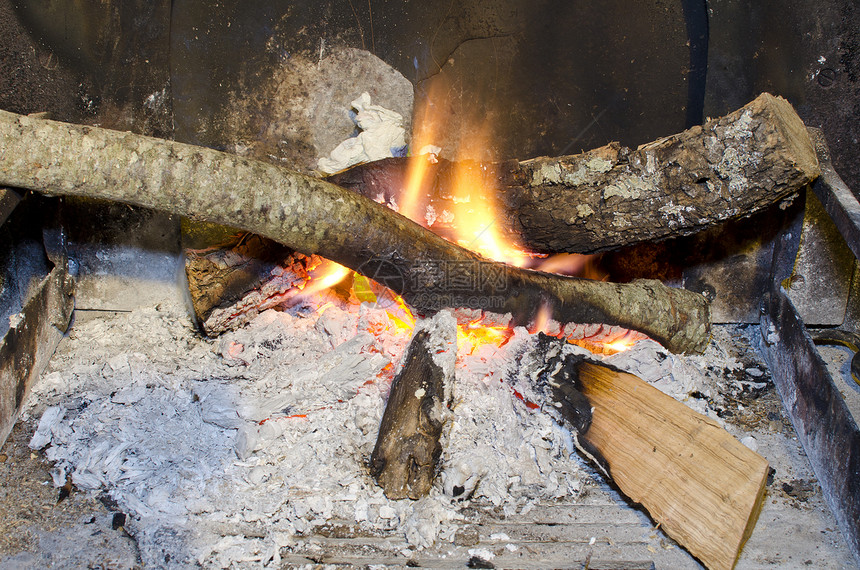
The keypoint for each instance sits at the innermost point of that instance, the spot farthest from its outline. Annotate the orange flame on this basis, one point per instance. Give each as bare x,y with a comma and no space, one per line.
476,227
476,216
428,121
542,319
473,335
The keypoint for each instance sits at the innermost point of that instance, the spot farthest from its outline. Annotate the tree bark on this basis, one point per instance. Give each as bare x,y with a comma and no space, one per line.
613,196
316,217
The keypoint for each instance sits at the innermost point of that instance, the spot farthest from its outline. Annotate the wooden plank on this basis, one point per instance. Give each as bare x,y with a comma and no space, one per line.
702,486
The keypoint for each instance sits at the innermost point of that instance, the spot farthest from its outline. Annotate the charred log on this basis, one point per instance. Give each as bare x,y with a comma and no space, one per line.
614,196
230,284
406,456
316,217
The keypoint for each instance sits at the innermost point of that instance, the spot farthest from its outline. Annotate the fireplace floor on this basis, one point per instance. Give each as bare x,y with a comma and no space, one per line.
183,497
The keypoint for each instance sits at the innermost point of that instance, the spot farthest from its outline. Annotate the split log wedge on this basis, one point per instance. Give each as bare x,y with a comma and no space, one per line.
701,485
316,217
614,196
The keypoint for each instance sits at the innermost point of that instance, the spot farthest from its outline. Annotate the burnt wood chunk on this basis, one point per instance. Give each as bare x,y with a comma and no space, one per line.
316,217
230,284
406,456
614,196
701,485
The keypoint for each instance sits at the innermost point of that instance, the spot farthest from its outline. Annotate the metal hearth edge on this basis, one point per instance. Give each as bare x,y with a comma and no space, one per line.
826,426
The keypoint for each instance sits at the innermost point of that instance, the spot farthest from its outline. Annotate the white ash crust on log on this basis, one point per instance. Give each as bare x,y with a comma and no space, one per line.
231,284
613,196
405,459
316,217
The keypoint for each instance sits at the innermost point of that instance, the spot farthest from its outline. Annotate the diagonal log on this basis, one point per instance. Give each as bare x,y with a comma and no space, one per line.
316,217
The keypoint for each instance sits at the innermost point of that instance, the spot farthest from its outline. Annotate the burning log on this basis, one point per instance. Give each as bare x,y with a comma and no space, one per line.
316,217
231,284
701,485
406,456
613,196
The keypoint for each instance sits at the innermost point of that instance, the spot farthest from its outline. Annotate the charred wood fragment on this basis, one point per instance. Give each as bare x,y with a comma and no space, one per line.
406,456
232,283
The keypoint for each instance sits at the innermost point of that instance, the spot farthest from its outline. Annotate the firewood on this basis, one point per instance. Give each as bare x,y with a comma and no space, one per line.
701,485
614,196
316,217
230,284
406,456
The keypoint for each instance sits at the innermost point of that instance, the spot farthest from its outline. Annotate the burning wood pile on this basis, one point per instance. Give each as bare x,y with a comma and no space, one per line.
336,245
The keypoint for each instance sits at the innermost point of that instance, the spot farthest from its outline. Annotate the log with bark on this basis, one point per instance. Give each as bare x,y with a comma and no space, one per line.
614,196
316,217
406,457
701,485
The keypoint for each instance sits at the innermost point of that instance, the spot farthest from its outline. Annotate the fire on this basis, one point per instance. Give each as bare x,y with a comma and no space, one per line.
475,226
428,122
324,276
542,320
473,335
476,217
620,345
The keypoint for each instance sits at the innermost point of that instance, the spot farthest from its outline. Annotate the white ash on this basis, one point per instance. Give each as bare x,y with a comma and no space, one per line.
442,345
224,452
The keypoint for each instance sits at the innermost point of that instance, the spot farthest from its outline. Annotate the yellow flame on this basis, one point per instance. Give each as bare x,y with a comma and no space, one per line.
474,335
476,218
476,226
626,342
428,123
405,321
324,276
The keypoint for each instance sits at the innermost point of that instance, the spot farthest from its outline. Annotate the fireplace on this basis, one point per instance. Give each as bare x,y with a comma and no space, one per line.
241,450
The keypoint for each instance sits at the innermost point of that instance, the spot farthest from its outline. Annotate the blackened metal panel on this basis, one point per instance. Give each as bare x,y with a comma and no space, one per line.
30,342
824,424
838,200
8,200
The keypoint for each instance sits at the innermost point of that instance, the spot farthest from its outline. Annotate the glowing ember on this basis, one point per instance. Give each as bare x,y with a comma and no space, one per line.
473,335
620,345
